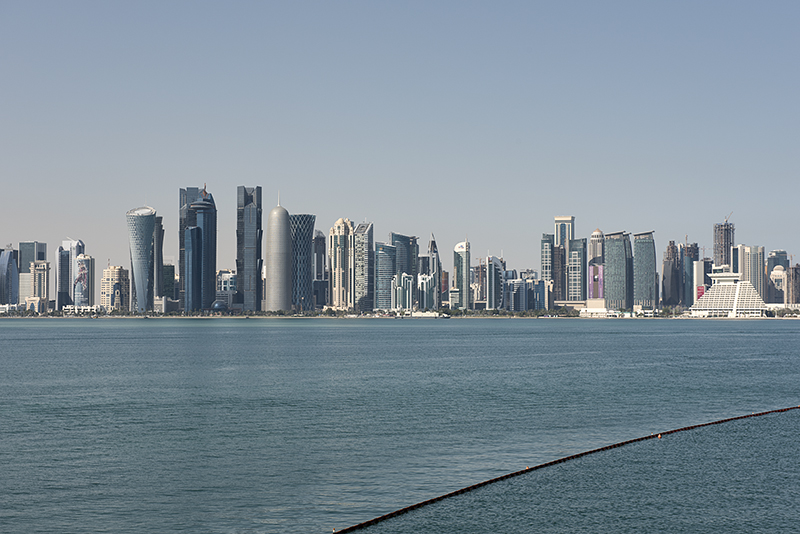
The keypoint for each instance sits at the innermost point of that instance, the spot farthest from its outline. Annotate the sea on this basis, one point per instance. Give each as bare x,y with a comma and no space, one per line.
290,425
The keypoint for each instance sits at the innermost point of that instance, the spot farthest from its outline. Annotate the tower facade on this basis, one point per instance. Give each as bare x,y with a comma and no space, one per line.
302,230
249,260
115,287
193,269
29,252
278,261
495,282
723,241
618,274
158,258
749,262
564,230
645,275
342,265
83,286
385,270
192,200
435,269
9,277
461,277
141,223
595,262
364,256
671,276
576,269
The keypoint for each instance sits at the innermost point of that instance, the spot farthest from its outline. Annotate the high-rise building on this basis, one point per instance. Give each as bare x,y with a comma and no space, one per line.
426,289
141,224
671,290
194,200
559,273
645,274
701,278
65,270
407,253
576,269
320,256
341,259
461,279
227,281
618,272
402,291
777,277
364,257
9,277
691,254
62,264
193,269
40,287
278,261
495,282
749,262
435,267
548,242
723,241
302,231
83,286
29,252
385,270
249,260
158,258
564,230
115,289
595,266
168,281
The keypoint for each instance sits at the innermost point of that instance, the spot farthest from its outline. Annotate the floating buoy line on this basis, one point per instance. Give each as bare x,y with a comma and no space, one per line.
527,469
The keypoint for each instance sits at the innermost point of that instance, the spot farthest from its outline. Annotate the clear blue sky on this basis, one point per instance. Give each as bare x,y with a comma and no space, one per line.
478,119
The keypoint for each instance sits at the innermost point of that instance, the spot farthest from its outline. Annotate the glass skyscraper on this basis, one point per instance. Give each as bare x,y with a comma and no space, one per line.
645,275
576,269
249,260
618,272
141,223
564,230
193,268
191,200
461,277
302,230
385,269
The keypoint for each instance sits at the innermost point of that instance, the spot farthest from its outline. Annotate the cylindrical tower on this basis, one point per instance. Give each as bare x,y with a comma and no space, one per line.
278,262
141,223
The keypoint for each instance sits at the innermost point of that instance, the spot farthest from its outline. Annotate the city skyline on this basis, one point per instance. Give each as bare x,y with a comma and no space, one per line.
654,119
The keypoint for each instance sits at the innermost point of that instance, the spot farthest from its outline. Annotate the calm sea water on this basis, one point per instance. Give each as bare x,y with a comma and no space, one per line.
291,425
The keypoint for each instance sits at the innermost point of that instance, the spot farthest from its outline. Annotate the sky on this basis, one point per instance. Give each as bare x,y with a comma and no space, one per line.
477,120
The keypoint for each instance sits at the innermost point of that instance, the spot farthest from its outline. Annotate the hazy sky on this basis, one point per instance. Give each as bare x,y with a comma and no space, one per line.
478,119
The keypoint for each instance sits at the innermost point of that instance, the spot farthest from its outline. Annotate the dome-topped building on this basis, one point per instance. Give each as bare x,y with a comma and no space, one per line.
278,261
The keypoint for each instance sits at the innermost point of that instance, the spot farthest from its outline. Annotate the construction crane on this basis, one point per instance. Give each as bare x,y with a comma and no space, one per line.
728,217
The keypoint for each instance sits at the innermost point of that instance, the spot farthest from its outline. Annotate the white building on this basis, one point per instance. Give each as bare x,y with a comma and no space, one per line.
729,296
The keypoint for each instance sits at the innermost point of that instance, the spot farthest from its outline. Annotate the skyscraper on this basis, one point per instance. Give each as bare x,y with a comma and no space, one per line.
320,256
407,252
29,252
341,258
691,254
723,241
115,289
9,277
249,260
193,269
548,242
302,230
564,230
461,279
83,286
65,270
192,200
141,224
495,282
385,270
436,273
645,275
618,273
749,262
671,276
595,265
364,256
278,261
576,269
158,258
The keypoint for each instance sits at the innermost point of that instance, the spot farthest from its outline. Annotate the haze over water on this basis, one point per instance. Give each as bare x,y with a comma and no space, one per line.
283,425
